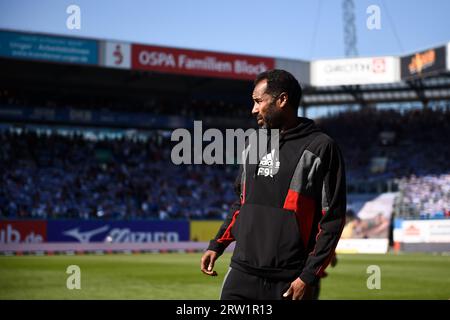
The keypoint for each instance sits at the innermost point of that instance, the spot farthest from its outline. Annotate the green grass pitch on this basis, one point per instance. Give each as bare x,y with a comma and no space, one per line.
177,276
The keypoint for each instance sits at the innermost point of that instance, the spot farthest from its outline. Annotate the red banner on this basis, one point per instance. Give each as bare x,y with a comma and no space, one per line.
198,63
23,231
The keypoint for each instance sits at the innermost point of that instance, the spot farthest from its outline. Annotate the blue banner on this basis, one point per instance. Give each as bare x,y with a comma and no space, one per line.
112,118
92,117
117,231
48,48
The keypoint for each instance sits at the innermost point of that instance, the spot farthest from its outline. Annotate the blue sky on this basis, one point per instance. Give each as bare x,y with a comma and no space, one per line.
277,28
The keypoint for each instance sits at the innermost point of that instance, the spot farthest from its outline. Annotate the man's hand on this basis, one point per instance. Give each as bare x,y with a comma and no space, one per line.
207,263
298,290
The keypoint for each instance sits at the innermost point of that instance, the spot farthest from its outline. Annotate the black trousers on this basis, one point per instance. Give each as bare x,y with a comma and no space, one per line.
239,285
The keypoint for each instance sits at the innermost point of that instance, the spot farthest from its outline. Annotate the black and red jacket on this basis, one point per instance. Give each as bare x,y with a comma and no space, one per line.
287,224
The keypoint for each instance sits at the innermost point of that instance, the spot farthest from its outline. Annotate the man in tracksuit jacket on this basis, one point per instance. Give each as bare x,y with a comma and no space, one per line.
291,204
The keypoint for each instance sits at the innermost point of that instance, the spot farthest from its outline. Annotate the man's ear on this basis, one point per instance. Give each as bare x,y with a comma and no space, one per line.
283,99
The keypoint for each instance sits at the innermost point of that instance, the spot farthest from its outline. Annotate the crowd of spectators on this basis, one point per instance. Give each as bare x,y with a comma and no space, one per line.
418,144
425,197
55,176
51,175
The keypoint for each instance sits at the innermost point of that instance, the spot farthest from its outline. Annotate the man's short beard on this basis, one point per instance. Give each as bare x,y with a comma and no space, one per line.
273,119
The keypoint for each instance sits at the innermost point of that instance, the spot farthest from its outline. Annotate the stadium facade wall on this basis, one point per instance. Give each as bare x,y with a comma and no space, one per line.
125,55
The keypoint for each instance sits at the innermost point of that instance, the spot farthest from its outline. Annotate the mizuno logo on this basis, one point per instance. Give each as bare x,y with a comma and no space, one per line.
85,237
120,235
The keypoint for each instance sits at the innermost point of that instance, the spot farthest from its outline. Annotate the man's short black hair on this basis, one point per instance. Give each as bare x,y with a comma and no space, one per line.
279,81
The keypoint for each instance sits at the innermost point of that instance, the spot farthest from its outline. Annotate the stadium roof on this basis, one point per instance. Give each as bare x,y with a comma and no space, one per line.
424,90
116,68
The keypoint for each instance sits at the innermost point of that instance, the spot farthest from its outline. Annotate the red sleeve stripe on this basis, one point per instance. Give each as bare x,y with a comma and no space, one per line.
304,208
330,256
227,237
243,194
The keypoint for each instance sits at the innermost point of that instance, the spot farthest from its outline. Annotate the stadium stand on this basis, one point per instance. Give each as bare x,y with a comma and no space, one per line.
427,197
46,174
55,176
419,146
